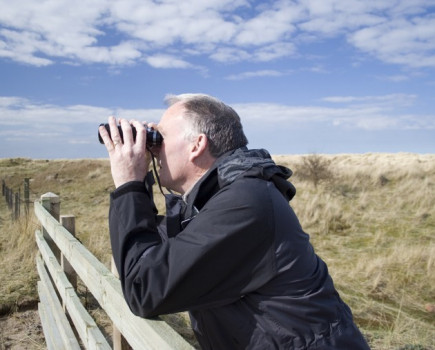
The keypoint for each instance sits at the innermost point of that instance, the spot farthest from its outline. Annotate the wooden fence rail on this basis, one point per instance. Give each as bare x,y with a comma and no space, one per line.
56,243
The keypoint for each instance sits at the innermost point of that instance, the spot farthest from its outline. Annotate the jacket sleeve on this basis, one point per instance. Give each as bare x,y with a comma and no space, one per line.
132,211
225,252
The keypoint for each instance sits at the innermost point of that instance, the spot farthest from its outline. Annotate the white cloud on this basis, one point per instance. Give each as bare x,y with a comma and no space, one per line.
26,126
40,33
407,42
270,52
256,74
366,112
21,47
167,61
395,78
368,123
270,113
269,26
49,29
230,55
387,101
334,17
19,112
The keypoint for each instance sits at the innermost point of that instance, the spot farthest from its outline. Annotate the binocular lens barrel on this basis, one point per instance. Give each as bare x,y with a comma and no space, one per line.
154,138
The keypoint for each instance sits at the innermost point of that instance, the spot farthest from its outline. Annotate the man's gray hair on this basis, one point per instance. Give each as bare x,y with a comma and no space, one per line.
210,116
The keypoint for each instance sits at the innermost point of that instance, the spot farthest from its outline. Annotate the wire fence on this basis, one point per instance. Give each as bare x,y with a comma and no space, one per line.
15,200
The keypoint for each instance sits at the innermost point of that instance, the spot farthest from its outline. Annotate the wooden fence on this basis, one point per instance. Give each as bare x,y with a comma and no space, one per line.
65,321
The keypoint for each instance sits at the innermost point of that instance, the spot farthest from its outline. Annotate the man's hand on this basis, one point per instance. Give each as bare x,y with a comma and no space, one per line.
129,160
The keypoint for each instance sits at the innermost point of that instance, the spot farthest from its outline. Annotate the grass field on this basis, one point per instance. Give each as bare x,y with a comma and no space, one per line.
371,217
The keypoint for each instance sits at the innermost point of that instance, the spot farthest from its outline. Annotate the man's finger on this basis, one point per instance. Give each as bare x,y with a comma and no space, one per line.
114,132
106,138
141,136
127,132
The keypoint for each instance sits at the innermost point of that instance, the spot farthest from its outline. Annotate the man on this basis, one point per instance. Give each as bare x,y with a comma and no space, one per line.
230,249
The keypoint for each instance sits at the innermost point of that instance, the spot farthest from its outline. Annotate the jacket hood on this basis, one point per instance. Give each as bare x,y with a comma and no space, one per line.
254,163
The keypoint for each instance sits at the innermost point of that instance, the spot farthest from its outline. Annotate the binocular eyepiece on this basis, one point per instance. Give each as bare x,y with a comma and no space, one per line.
154,138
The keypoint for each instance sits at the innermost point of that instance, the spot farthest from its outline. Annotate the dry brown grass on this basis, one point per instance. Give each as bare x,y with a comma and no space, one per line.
373,222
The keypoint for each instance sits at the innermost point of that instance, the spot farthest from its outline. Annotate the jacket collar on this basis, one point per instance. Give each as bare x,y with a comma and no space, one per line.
240,162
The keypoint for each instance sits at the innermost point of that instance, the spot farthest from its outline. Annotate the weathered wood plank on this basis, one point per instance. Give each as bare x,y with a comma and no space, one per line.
49,328
60,329
85,325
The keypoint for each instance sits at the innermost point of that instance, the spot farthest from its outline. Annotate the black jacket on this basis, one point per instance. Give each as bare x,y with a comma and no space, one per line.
235,256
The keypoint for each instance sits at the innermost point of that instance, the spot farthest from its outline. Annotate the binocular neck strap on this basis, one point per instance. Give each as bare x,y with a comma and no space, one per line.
153,157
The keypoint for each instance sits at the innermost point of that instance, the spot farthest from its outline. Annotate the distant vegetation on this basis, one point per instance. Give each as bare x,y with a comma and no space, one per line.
371,217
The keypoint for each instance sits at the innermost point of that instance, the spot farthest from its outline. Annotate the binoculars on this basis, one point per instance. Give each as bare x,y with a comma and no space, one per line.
154,138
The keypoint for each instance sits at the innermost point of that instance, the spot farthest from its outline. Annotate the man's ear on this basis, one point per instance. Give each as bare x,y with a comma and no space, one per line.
199,145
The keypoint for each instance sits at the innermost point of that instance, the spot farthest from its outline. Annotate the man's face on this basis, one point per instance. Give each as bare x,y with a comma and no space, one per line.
173,154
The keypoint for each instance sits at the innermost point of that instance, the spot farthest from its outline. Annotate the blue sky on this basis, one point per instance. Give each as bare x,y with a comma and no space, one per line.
313,76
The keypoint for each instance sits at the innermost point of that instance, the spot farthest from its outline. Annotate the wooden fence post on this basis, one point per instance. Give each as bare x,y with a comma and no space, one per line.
27,194
119,342
17,206
51,202
11,203
9,191
69,222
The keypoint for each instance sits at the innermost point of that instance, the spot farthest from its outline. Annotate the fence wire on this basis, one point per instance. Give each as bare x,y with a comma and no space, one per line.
15,201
